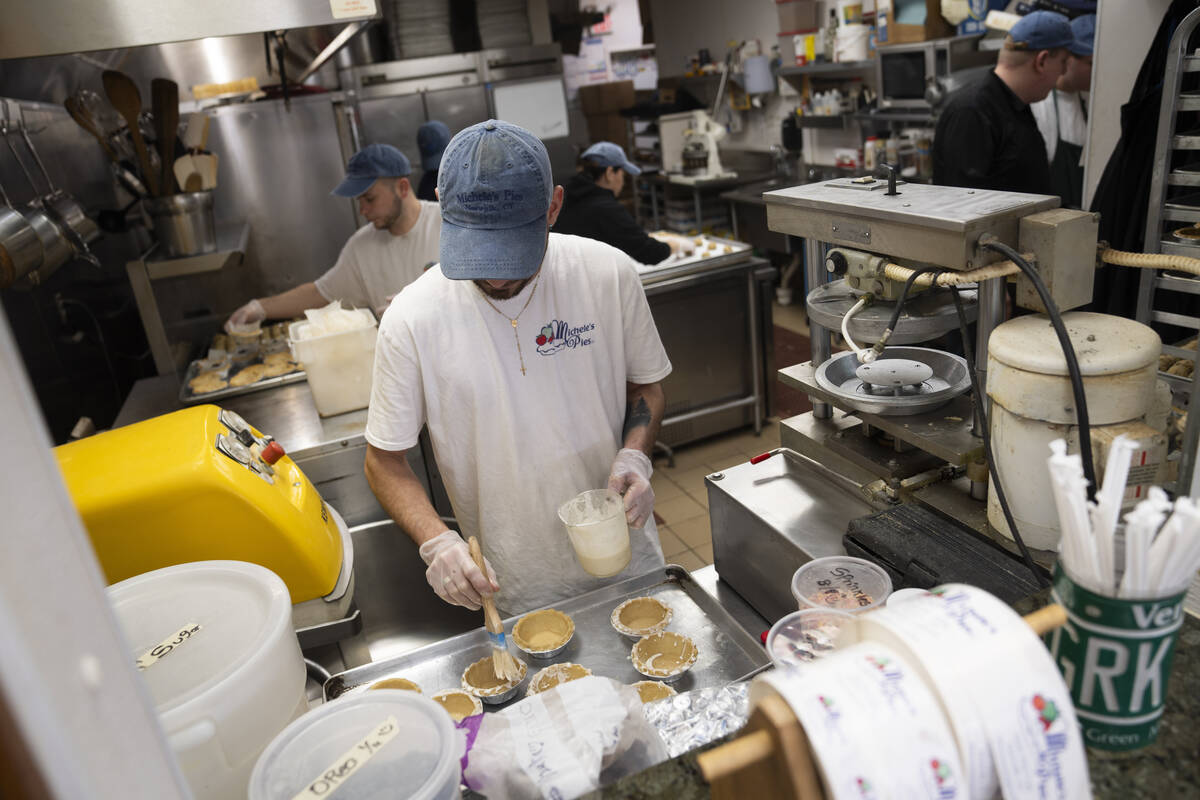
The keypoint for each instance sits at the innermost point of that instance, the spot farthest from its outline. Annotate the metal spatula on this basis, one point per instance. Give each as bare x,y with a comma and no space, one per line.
503,663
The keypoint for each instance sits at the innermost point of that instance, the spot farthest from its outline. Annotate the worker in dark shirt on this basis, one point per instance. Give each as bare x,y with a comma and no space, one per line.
590,206
986,137
432,138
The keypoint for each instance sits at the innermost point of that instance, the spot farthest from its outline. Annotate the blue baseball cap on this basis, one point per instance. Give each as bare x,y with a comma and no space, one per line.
494,187
1084,29
432,138
1041,30
373,162
607,154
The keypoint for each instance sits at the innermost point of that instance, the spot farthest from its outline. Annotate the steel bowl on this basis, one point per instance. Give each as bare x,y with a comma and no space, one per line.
951,377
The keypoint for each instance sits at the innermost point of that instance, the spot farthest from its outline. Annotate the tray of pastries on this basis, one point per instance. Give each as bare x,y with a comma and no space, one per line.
241,363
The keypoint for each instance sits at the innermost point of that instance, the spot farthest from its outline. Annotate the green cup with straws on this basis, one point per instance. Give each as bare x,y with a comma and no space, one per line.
1115,654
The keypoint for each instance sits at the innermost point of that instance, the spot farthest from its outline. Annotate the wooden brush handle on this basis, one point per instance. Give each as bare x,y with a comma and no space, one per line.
1047,619
491,617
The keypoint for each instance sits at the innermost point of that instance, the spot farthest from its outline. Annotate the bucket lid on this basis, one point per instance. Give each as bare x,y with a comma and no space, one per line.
1104,344
402,745
193,627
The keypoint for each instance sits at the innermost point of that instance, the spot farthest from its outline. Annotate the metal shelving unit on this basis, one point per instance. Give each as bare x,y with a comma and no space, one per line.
1176,171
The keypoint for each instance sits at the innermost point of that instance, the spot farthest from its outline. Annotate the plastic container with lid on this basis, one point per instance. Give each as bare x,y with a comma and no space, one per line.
221,661
844,583
403,745
338,365
804,636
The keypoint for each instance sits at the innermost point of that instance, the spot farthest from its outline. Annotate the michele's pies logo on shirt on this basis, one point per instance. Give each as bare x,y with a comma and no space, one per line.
558,334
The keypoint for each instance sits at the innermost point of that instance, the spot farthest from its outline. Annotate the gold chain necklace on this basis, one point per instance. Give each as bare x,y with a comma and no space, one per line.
513,320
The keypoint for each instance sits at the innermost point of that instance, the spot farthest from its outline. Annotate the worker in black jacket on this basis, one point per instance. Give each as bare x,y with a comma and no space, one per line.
590,206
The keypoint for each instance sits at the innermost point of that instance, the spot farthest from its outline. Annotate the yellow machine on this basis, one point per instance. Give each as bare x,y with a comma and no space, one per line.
202,484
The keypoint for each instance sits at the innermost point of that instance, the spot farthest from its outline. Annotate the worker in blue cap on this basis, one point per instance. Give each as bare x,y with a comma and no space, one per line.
986,136
591,208
1062,117
398,242
432,138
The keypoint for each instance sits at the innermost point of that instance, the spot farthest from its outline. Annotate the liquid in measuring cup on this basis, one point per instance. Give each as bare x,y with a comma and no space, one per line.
596,526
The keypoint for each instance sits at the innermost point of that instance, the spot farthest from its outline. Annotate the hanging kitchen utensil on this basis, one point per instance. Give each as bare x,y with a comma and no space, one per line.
20,247
164,97
56,250
123,94
193,183
61,203
83,117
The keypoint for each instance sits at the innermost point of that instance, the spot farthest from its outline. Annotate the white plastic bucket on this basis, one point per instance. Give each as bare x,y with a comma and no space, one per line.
338,365
227,673
851,43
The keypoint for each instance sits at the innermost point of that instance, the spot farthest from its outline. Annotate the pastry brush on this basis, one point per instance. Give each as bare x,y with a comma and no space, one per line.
503,663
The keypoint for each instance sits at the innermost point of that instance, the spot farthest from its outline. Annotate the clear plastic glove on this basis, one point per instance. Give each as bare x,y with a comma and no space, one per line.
630,477
452,572
248,314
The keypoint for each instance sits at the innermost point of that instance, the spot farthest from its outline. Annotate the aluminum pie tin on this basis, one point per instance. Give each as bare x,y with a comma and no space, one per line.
682,648
495,694
533,618
630,606
558,673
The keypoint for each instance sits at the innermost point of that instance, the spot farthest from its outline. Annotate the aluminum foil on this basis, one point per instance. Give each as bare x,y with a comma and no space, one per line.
689,720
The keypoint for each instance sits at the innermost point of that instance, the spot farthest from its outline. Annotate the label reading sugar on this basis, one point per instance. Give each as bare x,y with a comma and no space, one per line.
342,9
167,645
350,761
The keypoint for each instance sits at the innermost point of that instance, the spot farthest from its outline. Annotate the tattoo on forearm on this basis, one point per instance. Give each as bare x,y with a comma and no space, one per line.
637,415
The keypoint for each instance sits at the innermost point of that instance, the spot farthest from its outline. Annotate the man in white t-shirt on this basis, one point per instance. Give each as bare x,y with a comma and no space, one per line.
534,360
399,241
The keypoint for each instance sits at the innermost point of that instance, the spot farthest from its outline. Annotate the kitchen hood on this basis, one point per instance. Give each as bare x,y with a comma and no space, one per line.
54,27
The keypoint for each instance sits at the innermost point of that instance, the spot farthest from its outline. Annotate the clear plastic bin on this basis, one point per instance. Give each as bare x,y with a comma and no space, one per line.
338,365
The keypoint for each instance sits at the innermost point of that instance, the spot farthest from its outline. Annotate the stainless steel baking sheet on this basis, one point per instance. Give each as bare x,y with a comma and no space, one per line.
727,653
187,397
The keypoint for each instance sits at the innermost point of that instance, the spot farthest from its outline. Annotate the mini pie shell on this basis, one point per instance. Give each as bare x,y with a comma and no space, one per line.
667,642
636,604
446,698
556,675
530,624
484,667
396,683
653,687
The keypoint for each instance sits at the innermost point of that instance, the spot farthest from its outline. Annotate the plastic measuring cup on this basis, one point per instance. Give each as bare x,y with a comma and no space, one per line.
596,526
842,582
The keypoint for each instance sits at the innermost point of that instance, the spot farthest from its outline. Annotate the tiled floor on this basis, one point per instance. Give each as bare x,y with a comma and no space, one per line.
680,499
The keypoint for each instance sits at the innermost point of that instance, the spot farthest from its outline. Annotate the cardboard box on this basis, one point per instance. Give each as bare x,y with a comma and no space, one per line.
610,127
888,31
602,98
797,15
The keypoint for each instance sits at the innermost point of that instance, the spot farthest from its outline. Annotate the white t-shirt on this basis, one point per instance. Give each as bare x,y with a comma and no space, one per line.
374,264
513,447
1068,124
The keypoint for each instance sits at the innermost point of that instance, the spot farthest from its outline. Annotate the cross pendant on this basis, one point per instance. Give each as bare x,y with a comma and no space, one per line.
522,370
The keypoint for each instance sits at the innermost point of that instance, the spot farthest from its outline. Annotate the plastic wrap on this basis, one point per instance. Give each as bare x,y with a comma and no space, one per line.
691,719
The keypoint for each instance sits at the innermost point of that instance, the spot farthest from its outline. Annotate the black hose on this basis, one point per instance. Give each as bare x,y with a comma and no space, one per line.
981,415
895,319
1081,411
